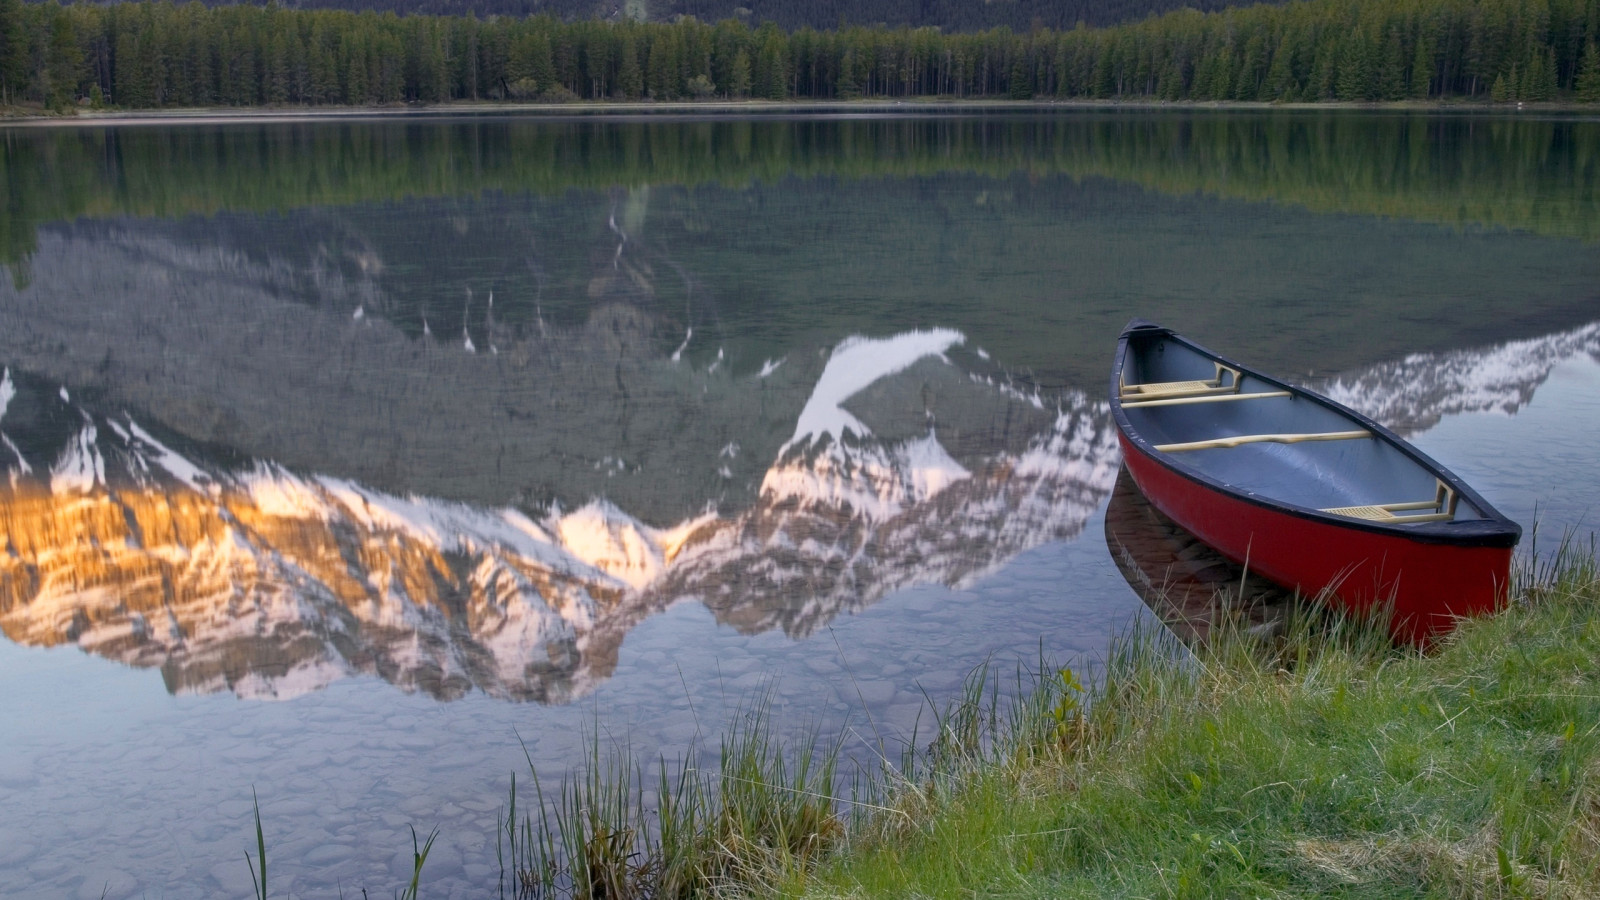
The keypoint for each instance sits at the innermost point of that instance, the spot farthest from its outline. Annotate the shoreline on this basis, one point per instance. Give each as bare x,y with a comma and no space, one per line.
717,109
1153,774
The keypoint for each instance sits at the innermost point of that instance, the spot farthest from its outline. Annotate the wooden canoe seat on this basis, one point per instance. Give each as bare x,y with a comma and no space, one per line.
1175,389
1168,388
1211,398
1442,508
1239,440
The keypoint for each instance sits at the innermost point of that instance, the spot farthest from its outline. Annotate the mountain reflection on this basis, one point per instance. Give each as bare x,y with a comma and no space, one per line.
908,462
269,583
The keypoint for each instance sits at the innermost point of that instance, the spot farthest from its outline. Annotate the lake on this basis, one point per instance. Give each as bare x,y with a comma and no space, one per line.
352,465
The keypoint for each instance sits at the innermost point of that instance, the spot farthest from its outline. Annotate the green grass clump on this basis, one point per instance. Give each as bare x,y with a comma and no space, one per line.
764,815
1320,762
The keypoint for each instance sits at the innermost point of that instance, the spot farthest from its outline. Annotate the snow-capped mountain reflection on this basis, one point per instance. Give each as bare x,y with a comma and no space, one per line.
1412,394
244,576
270,583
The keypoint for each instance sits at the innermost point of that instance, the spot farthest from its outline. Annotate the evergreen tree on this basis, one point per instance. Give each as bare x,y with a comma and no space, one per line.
663,68
541,62
630,78
739,82
357,76
1422,68
1391,80
1588,86
1500,93
324,71
1103,82
1355,81
771,76
1280,80
137,85
1324,72
847,86
64,66
1247,83
1020,81
13,52
244,87
1539,79
277,74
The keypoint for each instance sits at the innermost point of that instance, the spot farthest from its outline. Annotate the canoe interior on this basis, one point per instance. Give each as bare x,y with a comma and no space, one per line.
1312,475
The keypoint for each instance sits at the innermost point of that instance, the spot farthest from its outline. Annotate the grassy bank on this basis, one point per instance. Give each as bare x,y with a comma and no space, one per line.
1322,761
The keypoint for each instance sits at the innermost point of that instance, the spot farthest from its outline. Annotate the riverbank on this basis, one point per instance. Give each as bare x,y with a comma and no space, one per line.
1322,761
917,106
1321,764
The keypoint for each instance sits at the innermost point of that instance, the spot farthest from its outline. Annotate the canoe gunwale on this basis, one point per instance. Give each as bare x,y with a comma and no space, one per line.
1493,530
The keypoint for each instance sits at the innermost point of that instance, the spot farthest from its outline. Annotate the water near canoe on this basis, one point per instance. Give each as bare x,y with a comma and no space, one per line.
344,459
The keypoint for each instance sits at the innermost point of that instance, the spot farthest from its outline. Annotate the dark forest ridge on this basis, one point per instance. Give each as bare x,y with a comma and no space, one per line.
147,55
947,15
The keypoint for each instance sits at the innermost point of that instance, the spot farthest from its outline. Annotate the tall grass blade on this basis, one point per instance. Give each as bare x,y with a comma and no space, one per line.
418,858
258,880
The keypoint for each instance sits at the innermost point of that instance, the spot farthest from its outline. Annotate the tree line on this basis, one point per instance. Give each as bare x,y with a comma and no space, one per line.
158,54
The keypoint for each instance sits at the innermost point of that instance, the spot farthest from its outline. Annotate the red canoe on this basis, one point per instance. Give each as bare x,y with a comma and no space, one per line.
1308,493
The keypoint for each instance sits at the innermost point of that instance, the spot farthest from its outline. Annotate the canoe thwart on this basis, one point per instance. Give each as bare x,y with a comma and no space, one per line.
1242,439
1217,384
1442,508
1213,398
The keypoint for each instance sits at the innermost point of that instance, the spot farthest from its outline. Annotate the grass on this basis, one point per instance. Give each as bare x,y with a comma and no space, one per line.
762,815
258,863
1324,762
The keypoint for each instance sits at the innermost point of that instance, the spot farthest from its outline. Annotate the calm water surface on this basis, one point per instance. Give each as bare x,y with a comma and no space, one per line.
347,460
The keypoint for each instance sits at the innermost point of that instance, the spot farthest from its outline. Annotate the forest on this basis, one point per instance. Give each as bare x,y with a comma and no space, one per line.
158,54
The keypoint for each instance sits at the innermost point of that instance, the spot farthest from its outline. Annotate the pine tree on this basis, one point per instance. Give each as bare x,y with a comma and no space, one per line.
1500,93
1247,85
242,84
663,68
13,52
847,86
739,74
324,84
630,78
277,74
1020,78
1539,80
1392,70
136,67
357,77
65,66
1280,83
772,65
1355,80
1588,86
1422,68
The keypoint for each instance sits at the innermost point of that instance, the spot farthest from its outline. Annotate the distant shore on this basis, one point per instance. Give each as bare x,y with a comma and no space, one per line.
727,108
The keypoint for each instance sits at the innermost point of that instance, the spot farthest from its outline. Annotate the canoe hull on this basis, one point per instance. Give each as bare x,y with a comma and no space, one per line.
1427,583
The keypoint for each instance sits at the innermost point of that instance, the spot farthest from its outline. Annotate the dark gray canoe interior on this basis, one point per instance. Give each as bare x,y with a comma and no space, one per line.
1314,475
